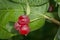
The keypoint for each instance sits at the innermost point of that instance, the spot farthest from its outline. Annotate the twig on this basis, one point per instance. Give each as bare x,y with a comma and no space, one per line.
49,18
52,19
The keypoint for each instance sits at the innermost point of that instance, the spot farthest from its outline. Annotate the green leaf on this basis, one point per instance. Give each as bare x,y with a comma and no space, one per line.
7,15
57,37
58,1
6,4
36,14
31,2
59,11
52,15
37,2
5,34
49,14
8,31
47,32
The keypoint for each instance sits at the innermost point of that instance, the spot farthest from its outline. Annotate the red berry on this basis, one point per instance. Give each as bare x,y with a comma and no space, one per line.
23,19
17,26
24,30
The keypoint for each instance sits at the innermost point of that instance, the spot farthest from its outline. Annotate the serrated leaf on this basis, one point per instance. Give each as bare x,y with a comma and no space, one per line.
36,14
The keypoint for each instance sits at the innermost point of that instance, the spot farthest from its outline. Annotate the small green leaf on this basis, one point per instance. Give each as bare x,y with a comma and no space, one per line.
59,11
58,1
57,37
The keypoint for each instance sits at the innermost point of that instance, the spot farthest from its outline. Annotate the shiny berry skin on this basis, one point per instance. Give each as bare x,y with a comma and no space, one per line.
17,26
24,30
23,19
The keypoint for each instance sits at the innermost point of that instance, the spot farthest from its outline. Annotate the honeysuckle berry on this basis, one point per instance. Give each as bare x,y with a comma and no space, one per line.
17,26
22,25
24,19
24,30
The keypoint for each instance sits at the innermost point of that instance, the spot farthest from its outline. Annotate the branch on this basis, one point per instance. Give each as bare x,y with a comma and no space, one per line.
49,18
52,19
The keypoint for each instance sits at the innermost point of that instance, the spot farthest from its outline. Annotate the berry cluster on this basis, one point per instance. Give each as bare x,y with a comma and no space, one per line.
23,25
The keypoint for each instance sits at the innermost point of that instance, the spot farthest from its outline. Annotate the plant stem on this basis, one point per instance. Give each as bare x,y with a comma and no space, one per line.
49,18
28,8
52,19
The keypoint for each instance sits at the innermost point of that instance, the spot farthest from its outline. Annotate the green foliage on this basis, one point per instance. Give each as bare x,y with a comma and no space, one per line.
59,11
58,1
40,19
45,33
31,2
10,10
57,37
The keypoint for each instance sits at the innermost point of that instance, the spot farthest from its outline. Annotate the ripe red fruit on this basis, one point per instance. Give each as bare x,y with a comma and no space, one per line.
24,30
23,19
17,26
